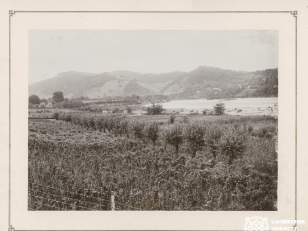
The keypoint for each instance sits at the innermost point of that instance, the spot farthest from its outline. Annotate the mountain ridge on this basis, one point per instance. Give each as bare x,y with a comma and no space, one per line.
204,81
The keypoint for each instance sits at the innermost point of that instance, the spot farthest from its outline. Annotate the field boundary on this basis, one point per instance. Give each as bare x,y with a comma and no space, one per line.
64,195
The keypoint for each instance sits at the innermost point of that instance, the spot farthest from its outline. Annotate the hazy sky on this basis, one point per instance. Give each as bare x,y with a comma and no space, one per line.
148,51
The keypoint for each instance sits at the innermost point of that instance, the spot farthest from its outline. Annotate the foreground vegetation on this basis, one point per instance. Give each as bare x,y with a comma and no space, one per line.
221,164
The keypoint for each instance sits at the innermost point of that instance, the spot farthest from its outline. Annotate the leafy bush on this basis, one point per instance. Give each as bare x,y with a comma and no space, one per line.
124,127
151,131
109,123
62,116
129,110
55,115
155,109
250,128
99,123
136,128
219,108
58,96
172,119
212,135
232,143
265,131
34,99
193,134
173,135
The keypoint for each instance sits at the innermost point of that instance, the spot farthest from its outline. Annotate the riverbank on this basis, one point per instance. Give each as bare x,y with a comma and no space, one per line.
240,106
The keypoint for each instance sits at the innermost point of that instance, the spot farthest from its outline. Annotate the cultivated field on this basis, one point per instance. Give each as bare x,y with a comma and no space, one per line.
79,160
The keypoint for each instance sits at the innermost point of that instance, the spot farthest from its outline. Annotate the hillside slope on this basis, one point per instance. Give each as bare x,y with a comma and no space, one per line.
214,83
203,82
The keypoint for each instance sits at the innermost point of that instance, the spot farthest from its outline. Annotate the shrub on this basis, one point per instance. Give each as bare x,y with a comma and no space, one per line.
212,135
124,127
249,128
99,123
151,131
219,108
129,110
62,117
68,118
116,126
172,119
155,109
136,127
109,123
265,131
82,120
206,111
90,122
232,143
55,115
58,96
193,135
34,99
173,135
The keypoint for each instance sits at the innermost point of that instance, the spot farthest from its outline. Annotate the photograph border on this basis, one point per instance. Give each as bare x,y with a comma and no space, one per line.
12,12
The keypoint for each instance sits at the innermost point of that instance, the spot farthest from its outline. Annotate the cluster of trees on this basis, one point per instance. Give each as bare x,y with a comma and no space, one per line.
114,110
219,138
69,103
155,109
132,99
58,101
34,99
219,108
57,97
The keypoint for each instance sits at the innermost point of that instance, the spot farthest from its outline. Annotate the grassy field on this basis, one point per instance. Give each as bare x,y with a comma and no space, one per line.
199,163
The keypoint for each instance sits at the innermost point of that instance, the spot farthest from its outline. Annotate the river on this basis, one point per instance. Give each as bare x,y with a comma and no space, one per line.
240,106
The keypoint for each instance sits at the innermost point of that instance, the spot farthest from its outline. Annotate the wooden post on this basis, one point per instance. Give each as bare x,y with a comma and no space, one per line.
112,201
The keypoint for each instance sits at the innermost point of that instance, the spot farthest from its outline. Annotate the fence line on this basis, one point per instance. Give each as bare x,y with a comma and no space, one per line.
71,197
113,203
53,206
55,195
65,190
62,202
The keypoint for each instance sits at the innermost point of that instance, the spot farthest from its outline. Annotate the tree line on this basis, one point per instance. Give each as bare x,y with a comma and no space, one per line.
218,137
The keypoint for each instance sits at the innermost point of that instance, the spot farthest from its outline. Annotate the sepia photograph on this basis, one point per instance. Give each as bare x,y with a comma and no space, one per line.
153,120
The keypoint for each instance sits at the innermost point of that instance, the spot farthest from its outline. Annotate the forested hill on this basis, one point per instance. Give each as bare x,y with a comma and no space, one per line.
266,84
215,83
202,82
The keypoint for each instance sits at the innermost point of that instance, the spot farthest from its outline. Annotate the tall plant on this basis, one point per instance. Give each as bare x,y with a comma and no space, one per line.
173,135
151,131
219,108
193,134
